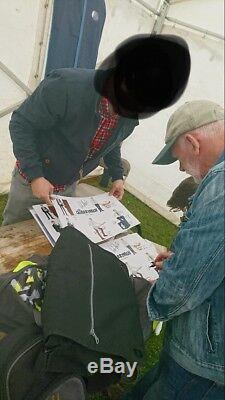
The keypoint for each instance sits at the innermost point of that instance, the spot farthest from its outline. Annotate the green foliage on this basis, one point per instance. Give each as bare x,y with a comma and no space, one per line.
3,200
154,227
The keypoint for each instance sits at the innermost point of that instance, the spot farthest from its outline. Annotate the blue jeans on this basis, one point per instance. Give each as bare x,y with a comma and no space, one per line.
168,381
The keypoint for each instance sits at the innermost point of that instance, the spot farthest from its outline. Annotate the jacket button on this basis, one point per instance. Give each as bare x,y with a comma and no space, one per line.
47,161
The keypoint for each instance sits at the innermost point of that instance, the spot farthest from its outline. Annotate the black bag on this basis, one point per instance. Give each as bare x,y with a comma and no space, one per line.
23,348
21,342
22,345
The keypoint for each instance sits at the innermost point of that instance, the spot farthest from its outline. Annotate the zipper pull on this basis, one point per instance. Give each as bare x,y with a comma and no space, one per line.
81,172
92,333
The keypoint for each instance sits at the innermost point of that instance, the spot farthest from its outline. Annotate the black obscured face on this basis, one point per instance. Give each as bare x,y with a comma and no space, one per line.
144,77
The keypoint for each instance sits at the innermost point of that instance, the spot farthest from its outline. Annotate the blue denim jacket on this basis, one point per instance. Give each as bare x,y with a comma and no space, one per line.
190,291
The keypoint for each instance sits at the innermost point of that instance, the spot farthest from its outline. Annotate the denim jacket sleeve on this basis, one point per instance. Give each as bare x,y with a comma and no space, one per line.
196,269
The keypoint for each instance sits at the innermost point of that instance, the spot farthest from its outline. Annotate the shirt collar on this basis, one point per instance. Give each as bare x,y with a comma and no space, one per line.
105,110
221,158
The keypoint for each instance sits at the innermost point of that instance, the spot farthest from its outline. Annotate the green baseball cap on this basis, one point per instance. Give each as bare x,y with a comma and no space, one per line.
188,117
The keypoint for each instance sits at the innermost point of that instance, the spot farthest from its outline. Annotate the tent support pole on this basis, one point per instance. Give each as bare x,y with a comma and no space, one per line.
196,28
11,75
147,6
159,22
8,110
41,42
162,16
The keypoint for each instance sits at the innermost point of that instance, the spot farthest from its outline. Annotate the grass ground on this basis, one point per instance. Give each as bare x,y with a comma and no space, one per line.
154,228
3,199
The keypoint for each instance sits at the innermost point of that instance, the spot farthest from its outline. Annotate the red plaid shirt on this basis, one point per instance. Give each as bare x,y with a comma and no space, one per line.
107,124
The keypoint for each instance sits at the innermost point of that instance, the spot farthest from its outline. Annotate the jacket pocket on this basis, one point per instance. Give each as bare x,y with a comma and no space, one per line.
60,163
209,329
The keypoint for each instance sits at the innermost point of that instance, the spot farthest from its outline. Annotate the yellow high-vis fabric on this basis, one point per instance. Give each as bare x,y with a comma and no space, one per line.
22,265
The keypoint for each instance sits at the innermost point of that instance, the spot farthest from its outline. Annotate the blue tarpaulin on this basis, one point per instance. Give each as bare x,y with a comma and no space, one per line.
75,34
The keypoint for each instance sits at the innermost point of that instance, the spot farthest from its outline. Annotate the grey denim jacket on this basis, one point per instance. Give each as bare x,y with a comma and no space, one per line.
190,291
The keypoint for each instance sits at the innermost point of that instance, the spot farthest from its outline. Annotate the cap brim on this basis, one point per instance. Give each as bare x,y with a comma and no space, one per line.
165,157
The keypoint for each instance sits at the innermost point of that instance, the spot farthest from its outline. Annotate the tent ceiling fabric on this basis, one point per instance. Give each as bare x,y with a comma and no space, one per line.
178,1
24,27
24,24
153,3
195,12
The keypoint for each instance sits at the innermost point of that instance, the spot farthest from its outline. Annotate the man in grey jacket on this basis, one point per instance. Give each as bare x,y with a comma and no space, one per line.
189,293
76,117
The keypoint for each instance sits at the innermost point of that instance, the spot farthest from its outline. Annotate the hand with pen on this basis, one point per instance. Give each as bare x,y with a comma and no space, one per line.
158,262
161,257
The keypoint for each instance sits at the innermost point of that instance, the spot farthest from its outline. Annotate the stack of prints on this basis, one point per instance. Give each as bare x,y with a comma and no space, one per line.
101,218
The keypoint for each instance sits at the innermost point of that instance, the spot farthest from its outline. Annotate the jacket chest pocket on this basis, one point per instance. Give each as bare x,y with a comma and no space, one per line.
61,164
214,329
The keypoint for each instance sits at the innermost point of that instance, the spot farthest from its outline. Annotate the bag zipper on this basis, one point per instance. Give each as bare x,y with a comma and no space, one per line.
92,330
13,364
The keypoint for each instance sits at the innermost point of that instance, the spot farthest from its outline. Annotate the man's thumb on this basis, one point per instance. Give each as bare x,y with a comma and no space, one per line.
48,201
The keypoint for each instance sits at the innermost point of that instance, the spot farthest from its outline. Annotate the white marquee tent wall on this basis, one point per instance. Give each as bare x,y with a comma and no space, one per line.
24,31
24,28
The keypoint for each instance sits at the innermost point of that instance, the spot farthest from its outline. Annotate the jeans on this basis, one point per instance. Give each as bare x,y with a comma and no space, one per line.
21,199
169,381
